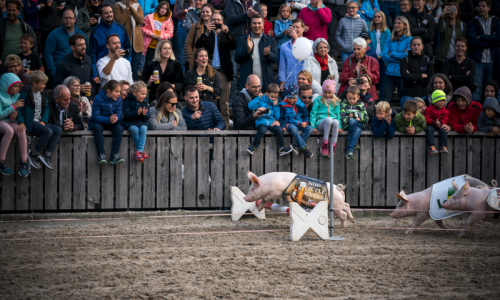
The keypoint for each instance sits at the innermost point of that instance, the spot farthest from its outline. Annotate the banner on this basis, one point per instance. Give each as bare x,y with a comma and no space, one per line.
442,192
306,191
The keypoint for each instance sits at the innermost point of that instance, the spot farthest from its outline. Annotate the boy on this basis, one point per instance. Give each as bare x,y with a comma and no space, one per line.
436,115
410,120
269,113
294,117
489,119
354,118
31,61
268,26
383,121
34,115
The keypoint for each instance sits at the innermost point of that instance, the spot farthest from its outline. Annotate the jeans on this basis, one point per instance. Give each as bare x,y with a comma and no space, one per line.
139,136
403,100
338,12
345,56
262,129
117,130
181,40
300,139
443,136
391,10
354,128
49,137
234,83
388,85
136,64
483,74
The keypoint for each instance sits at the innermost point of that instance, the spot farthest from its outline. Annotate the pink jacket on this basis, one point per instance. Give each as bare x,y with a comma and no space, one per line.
167,30
317,21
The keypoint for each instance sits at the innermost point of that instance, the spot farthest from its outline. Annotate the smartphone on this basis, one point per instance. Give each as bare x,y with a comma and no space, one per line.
359,81
96,16
218,26
127,52
266,111
453,9
202,109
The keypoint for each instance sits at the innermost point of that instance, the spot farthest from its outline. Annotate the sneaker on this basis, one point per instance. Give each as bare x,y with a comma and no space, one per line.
115,159
4,168
46,161
251,150
432,150
34,161
295,149
137,156
443,149
307,153
102,159
324,148
144,155
23,169
357,147
284,151
349,155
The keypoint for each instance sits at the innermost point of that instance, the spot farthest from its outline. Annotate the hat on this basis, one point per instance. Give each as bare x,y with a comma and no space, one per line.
329,85
292,91
365,35
438,95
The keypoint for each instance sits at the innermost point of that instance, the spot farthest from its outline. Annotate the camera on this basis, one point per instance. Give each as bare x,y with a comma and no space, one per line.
265,111
218,26
453,9
127,52
359,81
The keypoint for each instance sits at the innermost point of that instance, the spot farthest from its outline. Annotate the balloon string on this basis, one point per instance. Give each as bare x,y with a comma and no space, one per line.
290,74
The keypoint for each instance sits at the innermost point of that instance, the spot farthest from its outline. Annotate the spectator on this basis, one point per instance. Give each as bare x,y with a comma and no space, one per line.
31,10
243,117
404,6
268,26
439,82
135,117
114,66
256,52
197,30
181,9
410,120
10,85
316,17
354,119
490,89
88,16
379,33
163,88
420,104
450,27
305,77
57,46
165,115
169,69
11,30
124,85
52,17
62,112
306,96
106,115
393,9
436,116
434,8
219,42
31,60
364,84
369,52
358,64
14,65
209,88
294,118
193,14
99,35
422,24
200,115
148,6
383,122
295,7
282,24
460,69
3,9
395,49
416,70
466,9
338,9
321,65
349,27
368,9
82,102
489,119
464,112
153,32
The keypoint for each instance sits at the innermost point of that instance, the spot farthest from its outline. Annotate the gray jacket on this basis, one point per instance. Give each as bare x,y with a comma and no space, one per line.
486,124
191,18
349,28
164,123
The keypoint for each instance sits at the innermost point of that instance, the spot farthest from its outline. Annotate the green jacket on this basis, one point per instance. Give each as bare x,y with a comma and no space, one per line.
357,109
320,112
418,122
445,33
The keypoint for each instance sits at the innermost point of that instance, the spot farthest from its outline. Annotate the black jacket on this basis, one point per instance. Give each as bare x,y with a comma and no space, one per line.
70,113
214,82
458,72
72,66
52,17
242,116
24,26
226,43
129,112
422,25
173,75
412,67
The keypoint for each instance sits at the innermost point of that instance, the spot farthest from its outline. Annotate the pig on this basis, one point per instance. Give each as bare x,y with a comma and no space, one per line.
470,199
271,186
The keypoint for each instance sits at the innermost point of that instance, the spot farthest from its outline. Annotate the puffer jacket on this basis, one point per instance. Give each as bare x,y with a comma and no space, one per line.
369,10
399,50
27,112
383,38
242,115
459,118
280,27
104,107
210,117
322,111
412,67
348,29
358,110
445,34
311,64
236,16
167,30
418,122
130,108
486,124
293,114
165,124
432,114
6,99
269,118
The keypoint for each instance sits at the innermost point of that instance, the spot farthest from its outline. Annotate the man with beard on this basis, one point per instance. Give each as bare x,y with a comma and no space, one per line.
243,117
114,66
11,30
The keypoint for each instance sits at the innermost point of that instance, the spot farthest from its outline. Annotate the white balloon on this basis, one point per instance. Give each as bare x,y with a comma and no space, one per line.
302,48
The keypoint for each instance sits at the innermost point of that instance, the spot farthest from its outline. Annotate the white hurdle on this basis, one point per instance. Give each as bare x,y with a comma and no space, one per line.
302,221
240,206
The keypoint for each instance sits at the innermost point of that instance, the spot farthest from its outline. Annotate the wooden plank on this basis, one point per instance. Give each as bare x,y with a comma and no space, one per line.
8,182
352,180
433,164
469,155
271,156
149,176
446,161
79,163
339,162
51,186
108,178
406,165
203,172
476,158
93,174
216,174
122,176
65,172
311,169
488,153
285,162
460,154
379,188
36,190
419,154
190,172
135,183
392,171
176,150
22,186
365,168
162,171
230,152
298,162
257,160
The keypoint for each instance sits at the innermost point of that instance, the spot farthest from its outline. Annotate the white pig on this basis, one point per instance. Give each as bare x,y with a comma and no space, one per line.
271,186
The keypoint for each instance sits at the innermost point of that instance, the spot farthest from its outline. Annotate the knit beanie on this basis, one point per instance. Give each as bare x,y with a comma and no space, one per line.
329,85
292,91
438,95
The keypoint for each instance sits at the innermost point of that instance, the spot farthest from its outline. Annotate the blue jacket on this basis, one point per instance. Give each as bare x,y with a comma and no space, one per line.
477,45
57,47
279,29
289,66
367,7
31,15
293,114
269,118
97,44
148,6
397,50
236,16
6,99
210,118
379,127
130,116
383,38
104,107
27,112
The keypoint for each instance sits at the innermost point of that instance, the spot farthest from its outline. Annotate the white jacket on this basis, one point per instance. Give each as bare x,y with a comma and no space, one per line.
312,65
297,7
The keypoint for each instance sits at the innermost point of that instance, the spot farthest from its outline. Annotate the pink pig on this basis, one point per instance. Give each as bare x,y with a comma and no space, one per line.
271,186
470,199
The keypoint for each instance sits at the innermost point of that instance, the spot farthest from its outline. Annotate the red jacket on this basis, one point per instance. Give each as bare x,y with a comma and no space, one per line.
372,71
268,26
432,113
459,118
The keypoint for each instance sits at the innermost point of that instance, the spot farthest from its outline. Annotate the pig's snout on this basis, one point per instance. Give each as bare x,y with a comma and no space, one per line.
446,204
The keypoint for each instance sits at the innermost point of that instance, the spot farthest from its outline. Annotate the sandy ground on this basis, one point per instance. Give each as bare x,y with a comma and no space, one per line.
368,264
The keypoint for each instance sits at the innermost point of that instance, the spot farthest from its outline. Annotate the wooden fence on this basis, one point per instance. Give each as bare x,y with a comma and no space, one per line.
212,162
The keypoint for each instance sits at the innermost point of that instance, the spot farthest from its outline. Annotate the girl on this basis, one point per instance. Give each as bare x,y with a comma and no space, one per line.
439,82
283,21
210,87
379,33
73,84
450,27
157,26
368,9
197,30
135,117
165,115
88,16
124,88
325,115
10,85
467,10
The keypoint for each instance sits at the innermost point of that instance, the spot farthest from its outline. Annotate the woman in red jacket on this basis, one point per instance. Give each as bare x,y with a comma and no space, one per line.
464,112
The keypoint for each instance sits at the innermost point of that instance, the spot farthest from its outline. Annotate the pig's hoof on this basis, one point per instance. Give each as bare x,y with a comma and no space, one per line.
409,231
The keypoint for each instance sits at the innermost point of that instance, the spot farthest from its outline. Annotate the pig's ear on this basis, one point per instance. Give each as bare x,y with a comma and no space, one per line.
253,178
340,187
455,186
466,189
402,196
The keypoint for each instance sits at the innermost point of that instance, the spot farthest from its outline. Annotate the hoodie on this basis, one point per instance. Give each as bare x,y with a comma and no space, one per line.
7,100
271,116
459,118
494,84
484,123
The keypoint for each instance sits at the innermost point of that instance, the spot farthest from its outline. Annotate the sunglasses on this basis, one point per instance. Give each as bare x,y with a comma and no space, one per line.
306,97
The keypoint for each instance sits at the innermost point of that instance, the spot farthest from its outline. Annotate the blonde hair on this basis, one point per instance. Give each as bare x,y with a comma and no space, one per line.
38,76
384,22
136,86
383,106
12,58
160,107
281,8
406,31
158,50
307,75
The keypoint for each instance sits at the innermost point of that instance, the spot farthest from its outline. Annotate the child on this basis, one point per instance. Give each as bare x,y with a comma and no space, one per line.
436,115
125,85
268,26
421,104
283,21
106,112
34,115
325,115
294,117
269,114
383,121
489,119
354,119
10,85
410,120
31,61
135,117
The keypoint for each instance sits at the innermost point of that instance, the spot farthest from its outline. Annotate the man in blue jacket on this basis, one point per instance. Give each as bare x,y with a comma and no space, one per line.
201,115
97,44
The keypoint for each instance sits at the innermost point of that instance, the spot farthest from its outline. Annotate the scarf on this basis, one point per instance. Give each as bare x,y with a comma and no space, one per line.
132,20
314,8
322,62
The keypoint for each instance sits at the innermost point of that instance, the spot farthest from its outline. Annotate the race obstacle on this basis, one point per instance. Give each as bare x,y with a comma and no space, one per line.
240,206
302,221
